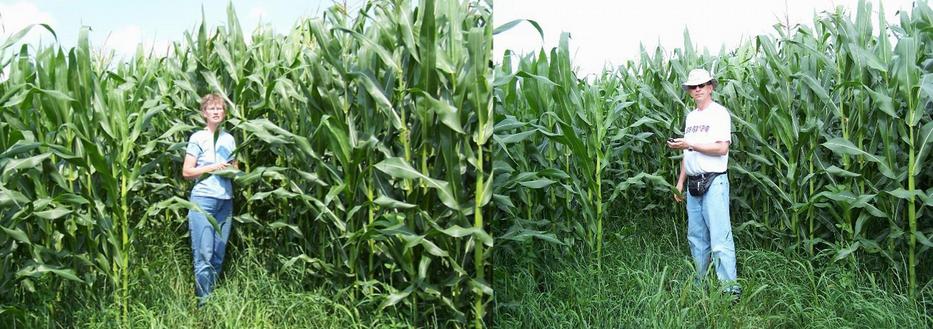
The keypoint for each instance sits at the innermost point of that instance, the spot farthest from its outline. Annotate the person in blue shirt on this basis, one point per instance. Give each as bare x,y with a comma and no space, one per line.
209,150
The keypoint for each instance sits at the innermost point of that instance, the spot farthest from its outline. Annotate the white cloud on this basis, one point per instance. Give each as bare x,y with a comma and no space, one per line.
17,16
124,40
157,47
258,12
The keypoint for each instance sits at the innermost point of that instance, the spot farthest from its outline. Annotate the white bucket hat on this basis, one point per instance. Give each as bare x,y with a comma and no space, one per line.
698,76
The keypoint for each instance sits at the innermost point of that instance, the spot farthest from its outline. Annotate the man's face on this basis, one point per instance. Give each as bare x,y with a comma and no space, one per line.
213,113
700,92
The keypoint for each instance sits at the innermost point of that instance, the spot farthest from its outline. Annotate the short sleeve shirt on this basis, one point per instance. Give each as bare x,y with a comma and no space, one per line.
201,145
709,125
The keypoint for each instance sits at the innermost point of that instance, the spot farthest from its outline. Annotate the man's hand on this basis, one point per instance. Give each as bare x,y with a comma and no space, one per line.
677,144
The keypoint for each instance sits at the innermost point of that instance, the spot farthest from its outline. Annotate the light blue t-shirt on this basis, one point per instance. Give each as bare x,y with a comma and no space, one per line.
201,146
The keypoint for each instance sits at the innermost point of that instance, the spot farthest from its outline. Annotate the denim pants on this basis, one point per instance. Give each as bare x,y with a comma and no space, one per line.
207,246
709,231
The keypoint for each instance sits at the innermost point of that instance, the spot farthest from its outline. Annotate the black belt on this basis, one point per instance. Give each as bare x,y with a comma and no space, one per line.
704,176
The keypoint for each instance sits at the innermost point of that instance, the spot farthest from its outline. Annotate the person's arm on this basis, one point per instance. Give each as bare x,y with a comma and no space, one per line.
714,149
679,144
190,172
680,182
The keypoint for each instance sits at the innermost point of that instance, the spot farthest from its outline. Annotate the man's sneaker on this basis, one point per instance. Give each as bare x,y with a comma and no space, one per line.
735,292
202,301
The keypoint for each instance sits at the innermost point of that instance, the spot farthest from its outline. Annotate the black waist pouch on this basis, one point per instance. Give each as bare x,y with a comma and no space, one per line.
697,185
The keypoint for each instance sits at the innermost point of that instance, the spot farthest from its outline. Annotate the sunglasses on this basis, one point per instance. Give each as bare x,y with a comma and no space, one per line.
698,86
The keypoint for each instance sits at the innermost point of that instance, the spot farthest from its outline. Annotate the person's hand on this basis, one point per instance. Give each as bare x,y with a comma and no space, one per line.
219,166
680,192
677,144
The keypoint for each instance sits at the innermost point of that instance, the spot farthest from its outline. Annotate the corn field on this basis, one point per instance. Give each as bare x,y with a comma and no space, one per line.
385,155
832,132
364,159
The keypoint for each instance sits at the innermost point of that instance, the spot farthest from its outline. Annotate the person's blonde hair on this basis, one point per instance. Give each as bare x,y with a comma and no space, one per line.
212,98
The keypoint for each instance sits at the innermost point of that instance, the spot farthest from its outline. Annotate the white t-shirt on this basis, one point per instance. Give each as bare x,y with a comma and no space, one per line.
710,125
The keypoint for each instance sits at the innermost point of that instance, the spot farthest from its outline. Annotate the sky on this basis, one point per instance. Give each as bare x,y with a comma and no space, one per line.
610,32
602,32
122,25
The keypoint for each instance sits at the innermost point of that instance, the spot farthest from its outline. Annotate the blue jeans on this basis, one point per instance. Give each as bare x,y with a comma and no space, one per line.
709,232
207,246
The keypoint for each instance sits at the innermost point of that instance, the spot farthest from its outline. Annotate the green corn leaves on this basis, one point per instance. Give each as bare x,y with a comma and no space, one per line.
349,124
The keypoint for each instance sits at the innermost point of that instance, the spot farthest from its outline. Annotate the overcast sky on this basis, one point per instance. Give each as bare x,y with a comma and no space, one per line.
603,32
122,25
609,32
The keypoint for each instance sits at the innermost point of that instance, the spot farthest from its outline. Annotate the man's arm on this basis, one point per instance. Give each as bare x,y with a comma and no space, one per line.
680,182
714,149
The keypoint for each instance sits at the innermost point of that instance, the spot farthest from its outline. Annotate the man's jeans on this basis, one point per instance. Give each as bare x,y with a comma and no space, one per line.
709,231
206,245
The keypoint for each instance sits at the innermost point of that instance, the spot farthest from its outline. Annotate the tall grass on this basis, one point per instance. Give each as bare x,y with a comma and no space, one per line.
652,288
253,295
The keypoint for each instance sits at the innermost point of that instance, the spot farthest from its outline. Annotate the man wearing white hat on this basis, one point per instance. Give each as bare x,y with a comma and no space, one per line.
706,156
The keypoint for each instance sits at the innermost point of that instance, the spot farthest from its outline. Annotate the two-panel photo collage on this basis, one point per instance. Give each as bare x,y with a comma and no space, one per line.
466,164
